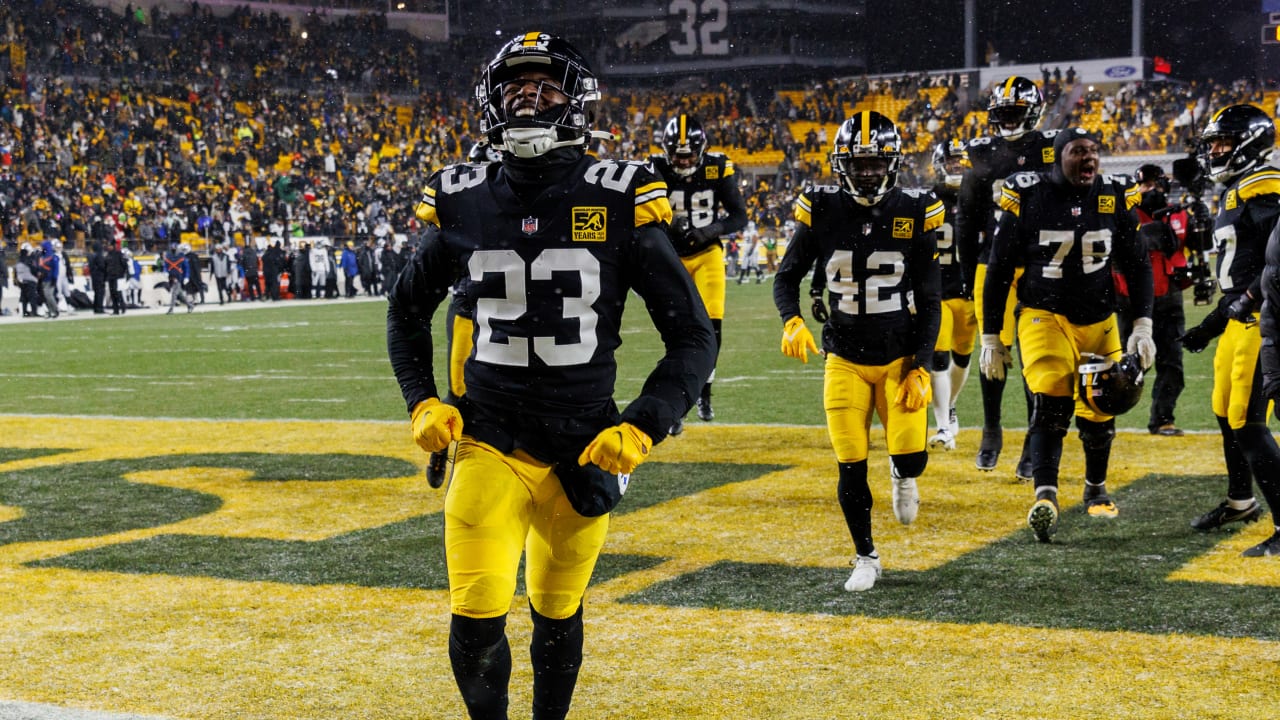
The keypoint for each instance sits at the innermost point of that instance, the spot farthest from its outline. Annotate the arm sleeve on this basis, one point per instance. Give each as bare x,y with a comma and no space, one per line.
926,286
681,320
1134,262
1000,267
736,208
793,270
970,222
411,302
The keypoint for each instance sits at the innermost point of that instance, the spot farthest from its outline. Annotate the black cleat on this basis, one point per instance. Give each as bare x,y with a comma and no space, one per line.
1224,514
1043,519
1024,472
989,449
705,413
1266,548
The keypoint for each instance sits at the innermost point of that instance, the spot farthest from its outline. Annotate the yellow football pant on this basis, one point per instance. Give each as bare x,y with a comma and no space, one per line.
1052,347
851,392
959,328
1234,362
707,270
499,506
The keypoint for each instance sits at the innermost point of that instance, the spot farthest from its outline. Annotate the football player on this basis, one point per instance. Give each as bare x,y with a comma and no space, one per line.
1014,145
1066,227
544,248
876,241
959,329
1235,150
706,205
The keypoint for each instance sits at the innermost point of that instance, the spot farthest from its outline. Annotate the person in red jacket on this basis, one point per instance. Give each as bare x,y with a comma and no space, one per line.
1164,230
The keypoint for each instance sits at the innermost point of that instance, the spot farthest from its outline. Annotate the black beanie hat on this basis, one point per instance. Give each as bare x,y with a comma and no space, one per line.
1069,134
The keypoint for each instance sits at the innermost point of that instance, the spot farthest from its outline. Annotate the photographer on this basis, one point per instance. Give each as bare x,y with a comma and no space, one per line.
1163,229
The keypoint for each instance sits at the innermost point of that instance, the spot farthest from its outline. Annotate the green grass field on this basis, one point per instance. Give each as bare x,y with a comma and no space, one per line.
222,515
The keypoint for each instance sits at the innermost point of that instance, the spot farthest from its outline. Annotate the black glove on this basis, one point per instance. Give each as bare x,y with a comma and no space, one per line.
1241,309
697,236
819,309
1197,338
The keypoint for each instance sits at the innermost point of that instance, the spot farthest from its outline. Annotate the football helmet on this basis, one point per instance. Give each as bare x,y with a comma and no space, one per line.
866,156
1110,387
949,161
1015,107
483,152
1251,133
563,125
683,139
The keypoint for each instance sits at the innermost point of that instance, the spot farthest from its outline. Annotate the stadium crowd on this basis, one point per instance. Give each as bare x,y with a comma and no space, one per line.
148,128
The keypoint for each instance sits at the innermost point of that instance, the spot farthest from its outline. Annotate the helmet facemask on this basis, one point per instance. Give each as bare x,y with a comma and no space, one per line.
867,156
948,164
684,142
536,96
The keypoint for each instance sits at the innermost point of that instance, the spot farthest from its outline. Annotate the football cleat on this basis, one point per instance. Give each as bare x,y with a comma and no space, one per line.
1267,548
677,427
1101,506
989,450
1043,519
1224,514
866,571
943,439
705,413
906,498
954,422
1024,472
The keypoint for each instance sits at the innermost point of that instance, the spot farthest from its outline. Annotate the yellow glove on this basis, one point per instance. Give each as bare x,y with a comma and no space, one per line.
797,342
435,425
914,391
618,449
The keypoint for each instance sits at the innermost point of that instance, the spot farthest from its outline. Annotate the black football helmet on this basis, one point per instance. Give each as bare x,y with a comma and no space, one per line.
1151,173
558,126
1110,387
866,156
1252,135
1015,107
683,139
949,161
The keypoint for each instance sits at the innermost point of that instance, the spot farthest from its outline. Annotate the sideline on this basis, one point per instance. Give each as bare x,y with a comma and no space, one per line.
34,711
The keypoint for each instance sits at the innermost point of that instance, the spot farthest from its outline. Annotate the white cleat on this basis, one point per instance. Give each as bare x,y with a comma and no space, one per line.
944,439
866,571
906,498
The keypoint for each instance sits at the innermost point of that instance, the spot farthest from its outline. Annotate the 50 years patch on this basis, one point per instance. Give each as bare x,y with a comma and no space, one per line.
589,224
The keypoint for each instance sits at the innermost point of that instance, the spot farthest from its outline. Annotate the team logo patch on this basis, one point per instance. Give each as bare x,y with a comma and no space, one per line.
529,225
588,224
1230,202
903,227
713,172
1046,154
1107,204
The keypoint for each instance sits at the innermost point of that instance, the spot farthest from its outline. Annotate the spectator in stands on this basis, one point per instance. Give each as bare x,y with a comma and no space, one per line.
249,266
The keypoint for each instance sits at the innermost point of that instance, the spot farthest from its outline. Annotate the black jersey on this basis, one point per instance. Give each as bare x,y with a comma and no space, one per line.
881,268
702,197
950,270
1247,211
546,282
991,160
1066,238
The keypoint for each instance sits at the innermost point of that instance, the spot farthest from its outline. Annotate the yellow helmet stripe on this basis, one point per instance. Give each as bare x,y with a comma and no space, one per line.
684,130
866,128
1008,85
531,39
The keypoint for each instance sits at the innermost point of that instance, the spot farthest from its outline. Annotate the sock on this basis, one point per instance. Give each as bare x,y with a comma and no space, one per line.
556,654
481,660
855,503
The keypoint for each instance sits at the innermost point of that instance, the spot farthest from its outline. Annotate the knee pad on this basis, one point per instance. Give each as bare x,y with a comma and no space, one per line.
476,644
961,361
940,362
910,465
1050,413
1096,435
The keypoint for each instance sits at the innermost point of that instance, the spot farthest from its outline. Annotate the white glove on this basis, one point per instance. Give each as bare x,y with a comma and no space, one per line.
1141,344
995,358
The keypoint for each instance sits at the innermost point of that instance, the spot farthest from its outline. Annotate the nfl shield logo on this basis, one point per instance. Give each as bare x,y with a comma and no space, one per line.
866,228
1022,160
529,225
1075,212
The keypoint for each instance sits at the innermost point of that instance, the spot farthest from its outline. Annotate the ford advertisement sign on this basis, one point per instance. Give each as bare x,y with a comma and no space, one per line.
1120,71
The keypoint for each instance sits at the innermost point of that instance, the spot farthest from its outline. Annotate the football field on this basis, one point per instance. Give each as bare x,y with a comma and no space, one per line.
222,515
